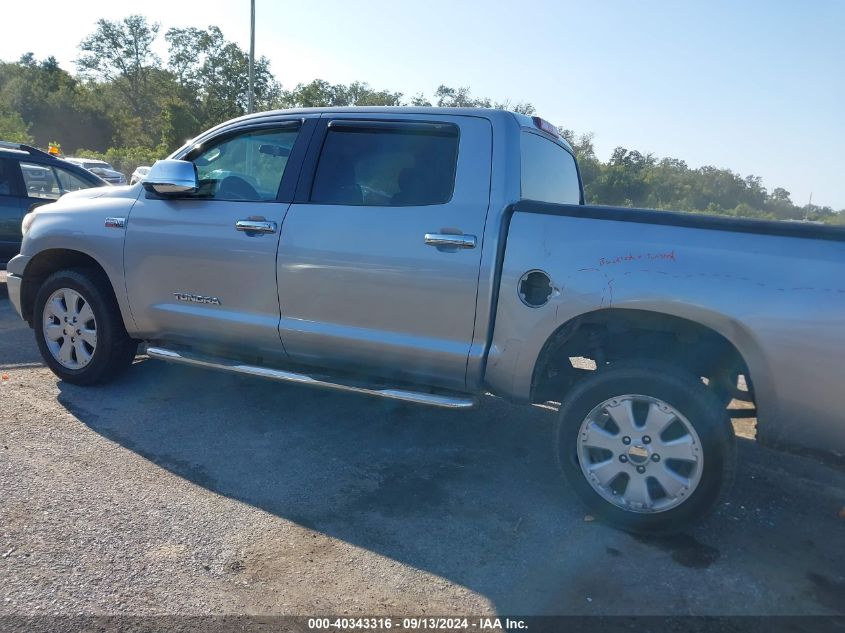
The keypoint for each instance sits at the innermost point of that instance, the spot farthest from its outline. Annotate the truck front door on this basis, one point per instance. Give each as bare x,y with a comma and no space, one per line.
202,268
379,257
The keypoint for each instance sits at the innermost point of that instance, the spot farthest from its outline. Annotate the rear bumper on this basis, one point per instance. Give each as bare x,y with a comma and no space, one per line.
14,280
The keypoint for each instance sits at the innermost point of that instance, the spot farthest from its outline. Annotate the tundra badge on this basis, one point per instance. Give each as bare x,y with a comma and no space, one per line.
186,296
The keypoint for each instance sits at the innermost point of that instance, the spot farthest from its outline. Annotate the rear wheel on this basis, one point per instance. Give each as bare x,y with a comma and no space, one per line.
645,446
79,329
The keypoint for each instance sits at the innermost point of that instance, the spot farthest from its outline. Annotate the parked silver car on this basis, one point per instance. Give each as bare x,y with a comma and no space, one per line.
101,168
434,255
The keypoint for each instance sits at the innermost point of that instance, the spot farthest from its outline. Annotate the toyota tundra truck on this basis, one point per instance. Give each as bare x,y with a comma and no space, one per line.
437,256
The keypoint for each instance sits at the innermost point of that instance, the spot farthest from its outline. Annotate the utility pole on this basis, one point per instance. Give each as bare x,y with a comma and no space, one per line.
251,104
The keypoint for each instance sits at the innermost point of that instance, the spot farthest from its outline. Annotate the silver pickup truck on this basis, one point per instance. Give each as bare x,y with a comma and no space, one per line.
436,255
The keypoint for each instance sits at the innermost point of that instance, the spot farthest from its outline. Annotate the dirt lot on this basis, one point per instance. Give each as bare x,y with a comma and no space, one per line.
180,490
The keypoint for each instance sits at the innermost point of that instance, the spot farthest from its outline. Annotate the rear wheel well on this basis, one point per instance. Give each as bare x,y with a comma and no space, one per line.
607,336
45,264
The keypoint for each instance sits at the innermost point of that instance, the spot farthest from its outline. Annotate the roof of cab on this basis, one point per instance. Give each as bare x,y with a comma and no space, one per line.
486,113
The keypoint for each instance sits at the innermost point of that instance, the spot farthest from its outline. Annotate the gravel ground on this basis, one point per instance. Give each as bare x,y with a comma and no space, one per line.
184,491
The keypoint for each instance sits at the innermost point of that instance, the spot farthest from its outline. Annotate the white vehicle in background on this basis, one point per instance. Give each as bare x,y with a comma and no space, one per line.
101,168
139,174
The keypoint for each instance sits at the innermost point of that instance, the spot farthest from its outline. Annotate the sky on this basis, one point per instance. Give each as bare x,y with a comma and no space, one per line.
756,87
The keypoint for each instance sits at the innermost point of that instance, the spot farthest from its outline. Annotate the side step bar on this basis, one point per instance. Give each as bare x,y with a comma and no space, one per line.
418,397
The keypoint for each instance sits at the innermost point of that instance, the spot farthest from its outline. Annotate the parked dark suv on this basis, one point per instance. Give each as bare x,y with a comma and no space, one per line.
30,177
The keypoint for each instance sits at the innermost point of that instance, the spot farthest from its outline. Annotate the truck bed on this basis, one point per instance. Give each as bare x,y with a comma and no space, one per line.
775,290
806,230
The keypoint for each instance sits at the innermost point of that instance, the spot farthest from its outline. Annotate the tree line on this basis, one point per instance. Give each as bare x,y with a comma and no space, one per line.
127,105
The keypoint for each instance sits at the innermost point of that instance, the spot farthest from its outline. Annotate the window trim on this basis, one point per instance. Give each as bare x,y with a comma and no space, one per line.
315,152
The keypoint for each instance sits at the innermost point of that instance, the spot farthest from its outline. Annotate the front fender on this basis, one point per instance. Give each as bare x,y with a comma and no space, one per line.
79,224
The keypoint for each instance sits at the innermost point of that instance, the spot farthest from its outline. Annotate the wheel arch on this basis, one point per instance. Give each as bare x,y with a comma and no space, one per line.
629,334
48,261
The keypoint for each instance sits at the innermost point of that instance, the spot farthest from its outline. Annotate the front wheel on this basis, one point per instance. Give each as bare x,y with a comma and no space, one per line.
79,329
647,447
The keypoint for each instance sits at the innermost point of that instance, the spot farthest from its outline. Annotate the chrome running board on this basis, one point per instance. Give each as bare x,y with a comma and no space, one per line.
418,397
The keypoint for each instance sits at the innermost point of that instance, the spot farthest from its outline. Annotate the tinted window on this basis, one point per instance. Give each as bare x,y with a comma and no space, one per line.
70,181
392,165
40,181
548,171
249,166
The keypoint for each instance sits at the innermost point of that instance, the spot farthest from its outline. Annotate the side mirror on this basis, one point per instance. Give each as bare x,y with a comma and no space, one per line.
172,176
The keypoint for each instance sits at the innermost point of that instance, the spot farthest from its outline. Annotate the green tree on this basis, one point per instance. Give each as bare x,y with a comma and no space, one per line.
213,75
13,128
320,94
121,54
53,104
779,194
447,97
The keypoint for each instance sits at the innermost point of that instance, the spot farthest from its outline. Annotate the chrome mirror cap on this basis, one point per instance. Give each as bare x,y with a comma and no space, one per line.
172,176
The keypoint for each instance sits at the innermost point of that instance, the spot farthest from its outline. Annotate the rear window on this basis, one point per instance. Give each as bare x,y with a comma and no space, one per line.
548,171
390,164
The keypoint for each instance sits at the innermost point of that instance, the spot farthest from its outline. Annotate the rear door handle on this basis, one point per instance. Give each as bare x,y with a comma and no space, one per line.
447,239
256,226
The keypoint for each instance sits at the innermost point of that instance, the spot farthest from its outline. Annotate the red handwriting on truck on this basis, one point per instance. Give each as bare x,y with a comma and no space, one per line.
638,257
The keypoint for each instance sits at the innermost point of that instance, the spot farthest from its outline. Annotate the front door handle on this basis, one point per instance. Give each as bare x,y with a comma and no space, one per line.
447,239
256,226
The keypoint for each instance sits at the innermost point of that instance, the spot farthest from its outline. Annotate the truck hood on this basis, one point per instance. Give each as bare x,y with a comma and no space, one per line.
74,201
125,191
77,220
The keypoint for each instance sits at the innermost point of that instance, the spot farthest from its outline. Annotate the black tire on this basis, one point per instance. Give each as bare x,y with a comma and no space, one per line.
115,349
689,396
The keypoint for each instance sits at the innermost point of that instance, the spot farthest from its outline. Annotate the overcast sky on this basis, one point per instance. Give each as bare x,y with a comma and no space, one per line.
757,88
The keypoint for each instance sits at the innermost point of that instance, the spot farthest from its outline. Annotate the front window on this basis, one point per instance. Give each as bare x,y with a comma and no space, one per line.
249,166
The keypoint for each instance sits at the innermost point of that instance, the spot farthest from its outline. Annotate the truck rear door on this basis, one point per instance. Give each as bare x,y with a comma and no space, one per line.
379,255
